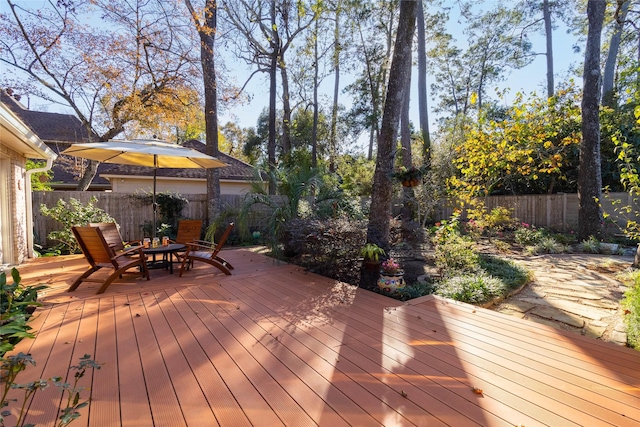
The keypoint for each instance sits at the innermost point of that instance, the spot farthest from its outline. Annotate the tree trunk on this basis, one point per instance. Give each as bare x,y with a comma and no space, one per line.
548,31
407,158
333,137
207,38
286,110
378,229
590,218
422,87
608,77
314,130
271,145
88,175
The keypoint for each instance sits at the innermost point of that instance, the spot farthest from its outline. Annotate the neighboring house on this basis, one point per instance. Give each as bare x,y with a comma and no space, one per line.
236,178
59,131
18,142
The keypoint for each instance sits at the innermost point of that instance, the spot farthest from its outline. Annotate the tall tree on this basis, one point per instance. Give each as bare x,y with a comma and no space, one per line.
423,111
608,77
495,44
265,33
127,68
375,26
206,23
379,226
590,217
548,33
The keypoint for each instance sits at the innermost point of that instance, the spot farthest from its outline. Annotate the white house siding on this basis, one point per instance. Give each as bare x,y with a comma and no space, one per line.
181,186
13,214
17,144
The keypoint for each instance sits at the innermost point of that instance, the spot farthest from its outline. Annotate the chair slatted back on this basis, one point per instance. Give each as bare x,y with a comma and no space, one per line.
111,234
222,240
94,246
189,230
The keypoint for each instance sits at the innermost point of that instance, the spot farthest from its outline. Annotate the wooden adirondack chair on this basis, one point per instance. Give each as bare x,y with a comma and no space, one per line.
189,230
208,252
112,235
100,255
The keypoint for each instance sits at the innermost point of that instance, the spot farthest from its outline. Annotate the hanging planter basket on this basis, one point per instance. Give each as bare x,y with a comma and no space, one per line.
410,182
409,177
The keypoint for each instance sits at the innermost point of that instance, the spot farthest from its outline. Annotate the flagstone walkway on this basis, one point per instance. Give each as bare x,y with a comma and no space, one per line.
574,292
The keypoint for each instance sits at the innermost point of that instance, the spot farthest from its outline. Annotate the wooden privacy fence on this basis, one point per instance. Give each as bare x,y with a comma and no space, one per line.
130,211
556,211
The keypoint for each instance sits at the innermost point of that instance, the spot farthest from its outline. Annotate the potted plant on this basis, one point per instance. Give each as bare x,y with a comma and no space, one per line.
371,254
409,177
391,276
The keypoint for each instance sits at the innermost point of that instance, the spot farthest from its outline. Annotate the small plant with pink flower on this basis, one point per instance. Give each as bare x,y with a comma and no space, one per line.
390,266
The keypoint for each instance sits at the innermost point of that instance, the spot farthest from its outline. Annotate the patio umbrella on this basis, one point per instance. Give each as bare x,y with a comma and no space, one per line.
145,152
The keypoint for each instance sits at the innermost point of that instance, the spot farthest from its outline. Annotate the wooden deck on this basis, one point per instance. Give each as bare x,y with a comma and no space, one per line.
273,345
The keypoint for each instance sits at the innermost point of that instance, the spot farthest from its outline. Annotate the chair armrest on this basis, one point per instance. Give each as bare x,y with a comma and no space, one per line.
200,244
136,250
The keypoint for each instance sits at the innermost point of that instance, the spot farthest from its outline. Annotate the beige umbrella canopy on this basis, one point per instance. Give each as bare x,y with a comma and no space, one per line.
145,152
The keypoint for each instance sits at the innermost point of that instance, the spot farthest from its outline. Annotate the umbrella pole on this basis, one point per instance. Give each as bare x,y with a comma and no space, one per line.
155,205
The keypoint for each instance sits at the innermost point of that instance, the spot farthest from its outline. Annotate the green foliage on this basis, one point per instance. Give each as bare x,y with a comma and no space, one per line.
590,246
631,304
444,229
512,274
306,193
547,245
16,305
13,365
494,278
476,288
498,219
356,173
171,205
456,253
531,149
528,235
39,180
412,290
72,214
372,252
409,174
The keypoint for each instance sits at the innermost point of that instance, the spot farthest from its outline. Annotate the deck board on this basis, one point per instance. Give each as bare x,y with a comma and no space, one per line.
275,345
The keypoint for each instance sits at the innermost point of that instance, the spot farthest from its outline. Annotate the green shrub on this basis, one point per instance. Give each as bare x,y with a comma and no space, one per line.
548,245
476,288
13,365
631,304
456,253
528,235
16,305
590,246
72,214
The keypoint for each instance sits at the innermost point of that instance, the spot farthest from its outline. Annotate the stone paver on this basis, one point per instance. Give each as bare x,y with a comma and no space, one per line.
573,292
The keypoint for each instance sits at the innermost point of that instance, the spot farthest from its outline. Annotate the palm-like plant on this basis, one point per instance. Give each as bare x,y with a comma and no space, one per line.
294,184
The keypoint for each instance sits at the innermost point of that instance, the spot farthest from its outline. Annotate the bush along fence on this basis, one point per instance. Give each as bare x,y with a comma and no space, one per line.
134,212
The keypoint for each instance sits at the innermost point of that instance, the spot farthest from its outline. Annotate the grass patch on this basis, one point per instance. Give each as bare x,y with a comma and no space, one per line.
495,279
